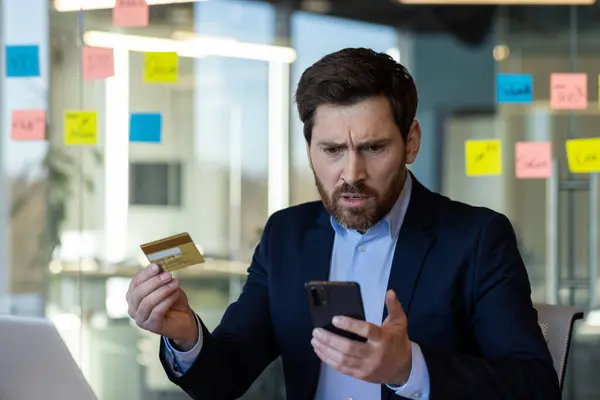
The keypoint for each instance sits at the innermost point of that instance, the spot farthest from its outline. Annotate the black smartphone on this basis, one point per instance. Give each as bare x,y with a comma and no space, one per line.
327,299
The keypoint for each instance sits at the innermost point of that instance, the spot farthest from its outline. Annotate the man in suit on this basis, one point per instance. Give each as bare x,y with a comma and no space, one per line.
446,294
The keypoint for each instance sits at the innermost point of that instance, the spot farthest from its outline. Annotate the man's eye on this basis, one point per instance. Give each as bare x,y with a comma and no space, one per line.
332,150
375,149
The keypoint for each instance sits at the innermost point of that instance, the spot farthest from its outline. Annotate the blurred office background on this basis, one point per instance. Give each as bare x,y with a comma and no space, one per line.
72,218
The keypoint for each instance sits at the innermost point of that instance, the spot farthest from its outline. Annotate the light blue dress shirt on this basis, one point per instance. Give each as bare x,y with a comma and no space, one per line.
366,259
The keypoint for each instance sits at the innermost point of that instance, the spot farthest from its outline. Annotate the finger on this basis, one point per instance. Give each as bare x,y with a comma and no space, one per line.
348,347
322,356
161,309
153,299
139,278
143,275
336,356
337,366
147,287
394,308
361,328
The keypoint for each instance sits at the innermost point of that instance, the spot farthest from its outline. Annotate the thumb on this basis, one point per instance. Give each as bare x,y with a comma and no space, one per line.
394,308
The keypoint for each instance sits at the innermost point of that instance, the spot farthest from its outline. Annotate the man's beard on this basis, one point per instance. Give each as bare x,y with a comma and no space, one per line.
365,217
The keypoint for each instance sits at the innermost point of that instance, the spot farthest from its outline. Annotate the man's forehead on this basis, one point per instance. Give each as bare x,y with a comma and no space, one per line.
364,121
344,133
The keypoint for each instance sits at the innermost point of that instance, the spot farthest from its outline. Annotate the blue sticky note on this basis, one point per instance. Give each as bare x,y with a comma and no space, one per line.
22,61
145,127
514,88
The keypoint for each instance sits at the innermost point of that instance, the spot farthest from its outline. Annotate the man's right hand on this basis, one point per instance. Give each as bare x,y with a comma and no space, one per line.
157,304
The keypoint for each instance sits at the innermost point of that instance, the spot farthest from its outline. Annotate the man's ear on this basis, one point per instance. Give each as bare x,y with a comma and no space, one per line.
413,142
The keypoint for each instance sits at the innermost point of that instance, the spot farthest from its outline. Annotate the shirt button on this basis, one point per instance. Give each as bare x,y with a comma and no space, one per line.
361,248
416,395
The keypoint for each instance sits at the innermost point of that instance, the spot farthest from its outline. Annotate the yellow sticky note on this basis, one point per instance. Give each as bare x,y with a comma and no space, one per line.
483,157
161,67
583,155
81,128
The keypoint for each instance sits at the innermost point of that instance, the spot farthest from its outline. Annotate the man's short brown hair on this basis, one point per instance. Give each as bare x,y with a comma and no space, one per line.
350,75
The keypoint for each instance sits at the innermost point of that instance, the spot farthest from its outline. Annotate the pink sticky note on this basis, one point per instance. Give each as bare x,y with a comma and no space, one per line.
568,91
533,160
98,63
28,125
131,13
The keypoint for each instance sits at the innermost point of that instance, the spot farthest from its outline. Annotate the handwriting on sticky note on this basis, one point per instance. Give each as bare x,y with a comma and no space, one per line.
98,63
583,155
22,61
483,157
81,128
28,125
568,91
533,160
514,88
131,13
161,67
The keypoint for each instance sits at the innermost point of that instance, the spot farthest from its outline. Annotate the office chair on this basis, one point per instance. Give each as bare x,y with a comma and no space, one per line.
557,326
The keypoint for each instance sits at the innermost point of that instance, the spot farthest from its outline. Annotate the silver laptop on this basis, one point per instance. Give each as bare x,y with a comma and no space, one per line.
36,364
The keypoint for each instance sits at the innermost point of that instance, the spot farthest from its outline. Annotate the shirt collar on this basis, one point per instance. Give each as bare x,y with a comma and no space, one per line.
394,218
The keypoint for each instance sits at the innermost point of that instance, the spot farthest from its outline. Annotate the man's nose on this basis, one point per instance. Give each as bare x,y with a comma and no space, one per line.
355,170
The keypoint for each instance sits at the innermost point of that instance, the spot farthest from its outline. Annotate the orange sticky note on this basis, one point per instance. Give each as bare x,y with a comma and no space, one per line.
98,63
131,13
568,91
28,125
533,160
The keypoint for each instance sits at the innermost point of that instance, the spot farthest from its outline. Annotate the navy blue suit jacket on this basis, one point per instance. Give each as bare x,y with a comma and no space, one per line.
457,272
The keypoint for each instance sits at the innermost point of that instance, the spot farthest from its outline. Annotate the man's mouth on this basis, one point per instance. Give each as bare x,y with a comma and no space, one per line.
354,200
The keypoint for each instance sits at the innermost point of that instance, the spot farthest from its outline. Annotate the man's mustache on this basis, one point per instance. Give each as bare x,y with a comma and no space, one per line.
358,188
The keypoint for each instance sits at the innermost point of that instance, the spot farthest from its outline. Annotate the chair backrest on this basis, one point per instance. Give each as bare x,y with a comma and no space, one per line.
557,326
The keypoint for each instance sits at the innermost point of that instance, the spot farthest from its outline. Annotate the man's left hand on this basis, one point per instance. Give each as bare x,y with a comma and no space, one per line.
385,357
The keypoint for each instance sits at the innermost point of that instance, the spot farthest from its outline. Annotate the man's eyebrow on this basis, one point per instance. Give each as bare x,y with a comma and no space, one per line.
327,143
374,142
362,145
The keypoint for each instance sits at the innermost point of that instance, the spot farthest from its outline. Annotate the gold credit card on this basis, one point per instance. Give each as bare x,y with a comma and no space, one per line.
173,253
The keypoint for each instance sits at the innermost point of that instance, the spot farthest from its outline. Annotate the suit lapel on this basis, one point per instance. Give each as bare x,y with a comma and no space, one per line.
317,248
315,265
413,244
